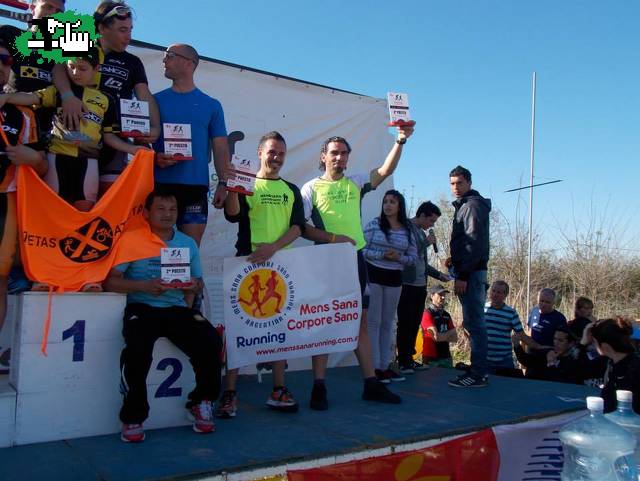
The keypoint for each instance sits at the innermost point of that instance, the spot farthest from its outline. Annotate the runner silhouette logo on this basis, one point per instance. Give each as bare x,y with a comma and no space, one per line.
89,243
262,294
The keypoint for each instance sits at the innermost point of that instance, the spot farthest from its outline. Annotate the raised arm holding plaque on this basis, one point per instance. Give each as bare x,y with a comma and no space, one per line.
242,177
175,267
398,109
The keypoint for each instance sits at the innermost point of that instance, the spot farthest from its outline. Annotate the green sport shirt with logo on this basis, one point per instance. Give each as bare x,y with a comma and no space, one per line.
334,206
265,216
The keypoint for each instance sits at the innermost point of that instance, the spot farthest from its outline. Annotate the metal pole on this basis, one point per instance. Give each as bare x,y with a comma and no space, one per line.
533,133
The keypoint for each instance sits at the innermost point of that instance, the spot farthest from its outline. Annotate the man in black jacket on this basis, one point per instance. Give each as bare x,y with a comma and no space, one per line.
469,250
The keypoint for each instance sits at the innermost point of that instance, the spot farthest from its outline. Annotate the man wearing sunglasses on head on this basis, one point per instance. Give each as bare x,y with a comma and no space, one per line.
121,75
18,146
29,74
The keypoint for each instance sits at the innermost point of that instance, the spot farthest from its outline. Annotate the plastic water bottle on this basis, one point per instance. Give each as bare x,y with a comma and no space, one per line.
629,420
596,449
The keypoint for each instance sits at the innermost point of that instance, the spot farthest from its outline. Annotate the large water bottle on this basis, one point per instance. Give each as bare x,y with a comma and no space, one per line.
625,417
596,449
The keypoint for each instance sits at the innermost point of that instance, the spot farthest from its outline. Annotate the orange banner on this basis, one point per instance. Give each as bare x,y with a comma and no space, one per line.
66,248
469,458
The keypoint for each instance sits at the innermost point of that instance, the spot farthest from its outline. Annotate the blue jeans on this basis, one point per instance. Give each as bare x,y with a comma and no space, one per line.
473,301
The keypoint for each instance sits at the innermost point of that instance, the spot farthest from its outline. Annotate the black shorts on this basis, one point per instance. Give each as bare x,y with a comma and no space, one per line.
112,163
73,178
193,202
364,280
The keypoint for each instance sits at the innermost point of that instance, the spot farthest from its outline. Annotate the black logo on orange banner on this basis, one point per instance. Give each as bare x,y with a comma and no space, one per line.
89,243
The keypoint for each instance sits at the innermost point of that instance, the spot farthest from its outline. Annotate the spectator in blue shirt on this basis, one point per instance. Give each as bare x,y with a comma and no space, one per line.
544,319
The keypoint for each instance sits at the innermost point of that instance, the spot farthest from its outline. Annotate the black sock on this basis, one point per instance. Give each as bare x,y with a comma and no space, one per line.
318,382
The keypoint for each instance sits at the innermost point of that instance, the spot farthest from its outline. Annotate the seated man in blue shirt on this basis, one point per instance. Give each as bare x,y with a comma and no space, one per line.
155,310
544,319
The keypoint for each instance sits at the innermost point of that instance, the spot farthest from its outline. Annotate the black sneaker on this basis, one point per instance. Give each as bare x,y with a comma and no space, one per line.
418,366
319,400
462,366
406,369
469,380
378,392
228,405
394,376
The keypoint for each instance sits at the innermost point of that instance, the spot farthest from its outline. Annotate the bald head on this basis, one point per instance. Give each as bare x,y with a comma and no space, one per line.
179,63
188,51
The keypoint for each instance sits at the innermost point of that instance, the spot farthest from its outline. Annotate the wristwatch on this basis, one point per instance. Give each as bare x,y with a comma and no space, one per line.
222,182
401,141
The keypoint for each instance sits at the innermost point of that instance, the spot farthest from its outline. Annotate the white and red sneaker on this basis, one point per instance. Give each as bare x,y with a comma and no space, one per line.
132,433
202,417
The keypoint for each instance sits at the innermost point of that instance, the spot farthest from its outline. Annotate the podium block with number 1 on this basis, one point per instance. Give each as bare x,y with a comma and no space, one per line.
74,390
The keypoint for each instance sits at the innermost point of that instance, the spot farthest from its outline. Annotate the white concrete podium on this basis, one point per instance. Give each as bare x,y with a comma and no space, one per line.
74,390
7,392
7,413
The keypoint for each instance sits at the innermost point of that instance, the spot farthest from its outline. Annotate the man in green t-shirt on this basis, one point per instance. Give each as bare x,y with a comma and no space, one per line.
332,202
269,220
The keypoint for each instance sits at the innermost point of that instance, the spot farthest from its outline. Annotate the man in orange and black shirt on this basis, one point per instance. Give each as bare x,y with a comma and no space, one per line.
18,146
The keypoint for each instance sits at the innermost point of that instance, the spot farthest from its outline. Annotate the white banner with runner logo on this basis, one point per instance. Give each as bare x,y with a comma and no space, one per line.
303,301
532,450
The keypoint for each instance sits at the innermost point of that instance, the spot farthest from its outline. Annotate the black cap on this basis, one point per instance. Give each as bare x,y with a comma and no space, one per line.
437,289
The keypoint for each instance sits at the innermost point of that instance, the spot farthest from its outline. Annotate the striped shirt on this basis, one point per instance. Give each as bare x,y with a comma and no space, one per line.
500,323
398,240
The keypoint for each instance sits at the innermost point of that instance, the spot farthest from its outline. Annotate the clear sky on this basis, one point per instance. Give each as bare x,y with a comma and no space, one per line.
467,66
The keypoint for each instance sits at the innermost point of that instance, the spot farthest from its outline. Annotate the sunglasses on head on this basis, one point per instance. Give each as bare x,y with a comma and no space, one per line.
6,59
118,11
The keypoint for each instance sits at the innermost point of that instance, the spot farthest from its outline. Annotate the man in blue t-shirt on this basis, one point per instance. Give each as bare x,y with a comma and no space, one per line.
156,310
544,319
186,107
